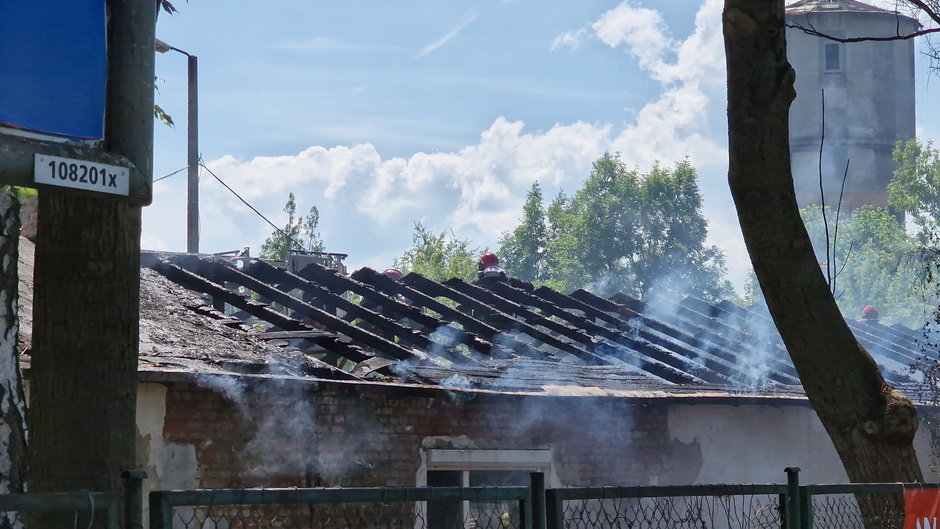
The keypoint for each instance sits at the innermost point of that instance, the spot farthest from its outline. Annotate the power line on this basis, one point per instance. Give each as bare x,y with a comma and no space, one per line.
245,202
173,173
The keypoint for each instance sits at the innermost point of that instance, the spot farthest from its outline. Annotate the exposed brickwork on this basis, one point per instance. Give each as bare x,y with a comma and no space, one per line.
29,216
360,435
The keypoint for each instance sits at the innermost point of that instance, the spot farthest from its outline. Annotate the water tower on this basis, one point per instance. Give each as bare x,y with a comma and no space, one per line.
869,99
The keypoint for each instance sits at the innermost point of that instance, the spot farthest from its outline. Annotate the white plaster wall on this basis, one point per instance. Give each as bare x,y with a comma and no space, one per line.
169,466
754,443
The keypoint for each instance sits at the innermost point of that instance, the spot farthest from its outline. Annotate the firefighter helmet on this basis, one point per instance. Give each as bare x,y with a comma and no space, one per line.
393,273
486,260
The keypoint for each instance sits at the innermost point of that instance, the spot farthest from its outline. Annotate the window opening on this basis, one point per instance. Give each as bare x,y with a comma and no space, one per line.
832,58
479,468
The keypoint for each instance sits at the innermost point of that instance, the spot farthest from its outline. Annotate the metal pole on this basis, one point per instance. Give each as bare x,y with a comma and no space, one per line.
134,498
792,508
537,500
192,183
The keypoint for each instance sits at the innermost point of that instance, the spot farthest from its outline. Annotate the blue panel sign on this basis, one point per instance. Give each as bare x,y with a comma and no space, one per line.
53,67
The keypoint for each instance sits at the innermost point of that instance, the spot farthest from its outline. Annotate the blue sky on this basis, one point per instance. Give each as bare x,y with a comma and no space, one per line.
382,114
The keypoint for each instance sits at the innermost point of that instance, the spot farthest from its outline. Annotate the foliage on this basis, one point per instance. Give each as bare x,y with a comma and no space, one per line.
875,262
160,114
439,256
622,231
523,249
915,188
297,234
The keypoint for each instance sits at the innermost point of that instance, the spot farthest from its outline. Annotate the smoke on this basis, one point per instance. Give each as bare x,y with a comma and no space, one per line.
278,420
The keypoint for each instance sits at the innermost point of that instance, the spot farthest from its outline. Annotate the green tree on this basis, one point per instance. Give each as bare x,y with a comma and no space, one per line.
671,237
439,256
622,231
522,251
915,188
297,234
875,262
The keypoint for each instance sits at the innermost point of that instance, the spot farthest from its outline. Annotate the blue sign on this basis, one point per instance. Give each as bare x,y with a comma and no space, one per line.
53,67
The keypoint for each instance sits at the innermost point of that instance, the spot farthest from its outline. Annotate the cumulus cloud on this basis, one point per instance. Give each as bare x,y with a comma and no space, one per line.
368,203
641,31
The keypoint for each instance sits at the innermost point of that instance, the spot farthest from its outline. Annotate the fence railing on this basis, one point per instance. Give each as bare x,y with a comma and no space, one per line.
784,506
360,508
109,510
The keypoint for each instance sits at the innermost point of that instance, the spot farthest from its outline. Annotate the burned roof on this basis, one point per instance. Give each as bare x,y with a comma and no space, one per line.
249,316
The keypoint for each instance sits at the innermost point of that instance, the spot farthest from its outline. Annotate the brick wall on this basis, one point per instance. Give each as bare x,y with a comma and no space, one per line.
29,216
281,434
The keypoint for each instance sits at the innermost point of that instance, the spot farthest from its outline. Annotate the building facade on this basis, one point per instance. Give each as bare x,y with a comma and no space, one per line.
854,100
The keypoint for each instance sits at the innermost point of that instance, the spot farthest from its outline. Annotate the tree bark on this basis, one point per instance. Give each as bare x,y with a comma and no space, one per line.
87,290
12,400
871,424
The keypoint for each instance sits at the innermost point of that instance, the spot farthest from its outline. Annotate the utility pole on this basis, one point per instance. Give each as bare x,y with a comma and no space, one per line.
192,146
192,180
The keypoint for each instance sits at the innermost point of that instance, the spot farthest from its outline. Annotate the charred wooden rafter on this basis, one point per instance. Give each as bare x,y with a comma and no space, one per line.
198,283
501,340
329,321
492,313
696,349
630,343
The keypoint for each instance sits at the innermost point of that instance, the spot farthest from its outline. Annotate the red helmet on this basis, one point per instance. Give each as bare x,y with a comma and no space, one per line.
869,313
393,273
486,260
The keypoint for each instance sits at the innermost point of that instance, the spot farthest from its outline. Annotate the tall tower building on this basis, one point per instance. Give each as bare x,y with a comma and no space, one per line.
869,100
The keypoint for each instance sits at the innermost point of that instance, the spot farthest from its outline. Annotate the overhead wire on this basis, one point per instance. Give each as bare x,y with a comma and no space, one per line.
245,202
173,173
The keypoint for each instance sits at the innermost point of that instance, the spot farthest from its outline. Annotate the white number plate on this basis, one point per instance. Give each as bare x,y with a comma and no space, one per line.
81,174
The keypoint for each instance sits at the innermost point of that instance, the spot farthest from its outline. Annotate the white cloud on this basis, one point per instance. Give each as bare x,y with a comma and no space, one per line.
368,203
642,31
468,18
569,39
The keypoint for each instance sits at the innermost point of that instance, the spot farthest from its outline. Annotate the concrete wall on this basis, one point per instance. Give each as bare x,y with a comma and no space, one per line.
869,106
361,435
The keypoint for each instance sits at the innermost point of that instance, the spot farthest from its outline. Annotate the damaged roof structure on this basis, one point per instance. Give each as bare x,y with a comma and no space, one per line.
251,317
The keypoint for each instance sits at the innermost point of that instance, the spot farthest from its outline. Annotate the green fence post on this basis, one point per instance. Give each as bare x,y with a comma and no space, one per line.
554,510
792,510
161,512
134,498
537,500
806,508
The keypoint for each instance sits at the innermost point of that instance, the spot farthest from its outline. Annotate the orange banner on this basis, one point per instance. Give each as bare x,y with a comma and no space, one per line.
922,508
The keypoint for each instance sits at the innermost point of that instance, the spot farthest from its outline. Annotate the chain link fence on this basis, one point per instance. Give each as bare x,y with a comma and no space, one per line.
365,508
855,506
691,507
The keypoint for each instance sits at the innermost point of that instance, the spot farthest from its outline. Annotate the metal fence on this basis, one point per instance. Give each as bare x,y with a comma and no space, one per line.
784,506
687,507
79,509
85,509
338,508
856,506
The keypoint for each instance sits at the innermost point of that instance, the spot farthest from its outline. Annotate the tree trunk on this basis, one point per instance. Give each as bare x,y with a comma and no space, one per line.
871,424
12,400
87,291
85,339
